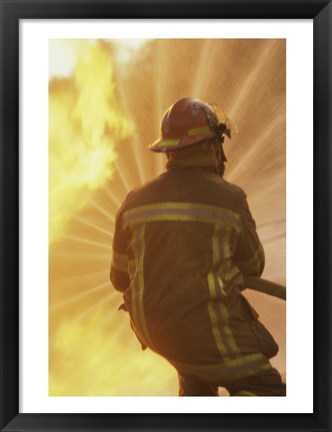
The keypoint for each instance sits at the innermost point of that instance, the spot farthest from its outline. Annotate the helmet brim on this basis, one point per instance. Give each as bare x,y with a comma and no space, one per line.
178,144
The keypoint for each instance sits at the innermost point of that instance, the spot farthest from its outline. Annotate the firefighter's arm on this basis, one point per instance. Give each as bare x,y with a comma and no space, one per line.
119,265
249,254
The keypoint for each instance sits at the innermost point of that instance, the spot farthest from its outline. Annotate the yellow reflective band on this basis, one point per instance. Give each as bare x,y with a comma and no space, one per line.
227,271
227,277
215,328
131,268
120,262
228,370
137,284
232,273
222,333
227,244
245,393
198,131
227,330
220,329
217,255
212,305
215,244
175,211
167,143
254,263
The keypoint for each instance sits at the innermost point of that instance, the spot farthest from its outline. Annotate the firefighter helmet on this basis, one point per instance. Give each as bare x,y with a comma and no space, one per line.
190,122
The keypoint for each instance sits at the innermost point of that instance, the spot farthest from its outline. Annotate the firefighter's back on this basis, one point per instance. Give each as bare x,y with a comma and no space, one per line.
183,228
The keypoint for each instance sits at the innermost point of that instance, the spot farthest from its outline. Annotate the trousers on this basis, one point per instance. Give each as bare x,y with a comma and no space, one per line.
263,384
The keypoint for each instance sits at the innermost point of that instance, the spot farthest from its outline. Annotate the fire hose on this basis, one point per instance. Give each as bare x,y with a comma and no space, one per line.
265,286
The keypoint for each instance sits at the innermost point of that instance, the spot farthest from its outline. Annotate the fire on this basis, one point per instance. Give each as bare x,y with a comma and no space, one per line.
88,338
89,360
85,124
101,120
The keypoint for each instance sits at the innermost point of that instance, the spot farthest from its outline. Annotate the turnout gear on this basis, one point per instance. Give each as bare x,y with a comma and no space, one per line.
182,246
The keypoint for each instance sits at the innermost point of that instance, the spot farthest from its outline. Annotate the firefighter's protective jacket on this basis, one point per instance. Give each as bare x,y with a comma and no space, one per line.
182,244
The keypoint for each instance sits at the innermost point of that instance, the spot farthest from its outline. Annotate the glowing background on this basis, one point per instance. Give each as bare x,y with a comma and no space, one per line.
102,115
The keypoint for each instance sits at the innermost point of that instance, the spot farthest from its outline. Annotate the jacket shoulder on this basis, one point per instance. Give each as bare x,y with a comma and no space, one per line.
236,192
140,194
235,189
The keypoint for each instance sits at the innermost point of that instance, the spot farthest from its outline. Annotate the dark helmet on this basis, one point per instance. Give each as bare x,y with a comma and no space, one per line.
190,122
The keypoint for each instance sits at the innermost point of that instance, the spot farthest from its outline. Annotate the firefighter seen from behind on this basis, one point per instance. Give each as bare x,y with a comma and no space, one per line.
183,245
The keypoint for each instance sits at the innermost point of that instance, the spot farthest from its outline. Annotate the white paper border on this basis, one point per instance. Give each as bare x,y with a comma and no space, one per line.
34,35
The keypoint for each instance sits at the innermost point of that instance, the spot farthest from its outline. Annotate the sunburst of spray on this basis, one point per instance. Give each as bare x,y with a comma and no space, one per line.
85,124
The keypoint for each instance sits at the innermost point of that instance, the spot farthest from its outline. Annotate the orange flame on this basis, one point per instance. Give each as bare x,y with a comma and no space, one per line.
85,123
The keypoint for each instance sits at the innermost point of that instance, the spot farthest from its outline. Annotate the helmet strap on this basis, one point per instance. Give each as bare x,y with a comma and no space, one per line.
220,154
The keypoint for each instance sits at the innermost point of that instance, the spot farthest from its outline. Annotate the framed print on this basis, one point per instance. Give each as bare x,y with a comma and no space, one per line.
85,89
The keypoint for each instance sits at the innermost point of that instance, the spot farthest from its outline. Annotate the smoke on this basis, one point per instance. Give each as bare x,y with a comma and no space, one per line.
85,125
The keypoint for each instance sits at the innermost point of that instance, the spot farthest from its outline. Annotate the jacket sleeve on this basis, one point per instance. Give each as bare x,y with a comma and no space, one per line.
249,253
119,264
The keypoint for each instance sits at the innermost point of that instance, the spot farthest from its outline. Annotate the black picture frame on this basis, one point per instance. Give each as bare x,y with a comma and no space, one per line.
12,11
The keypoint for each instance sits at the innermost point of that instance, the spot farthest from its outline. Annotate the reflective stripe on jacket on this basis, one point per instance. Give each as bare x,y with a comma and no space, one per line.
182,244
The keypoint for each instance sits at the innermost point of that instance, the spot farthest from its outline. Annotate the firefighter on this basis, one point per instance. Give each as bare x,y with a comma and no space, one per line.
183,244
